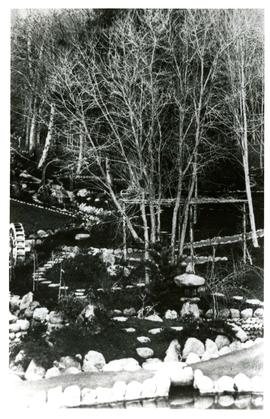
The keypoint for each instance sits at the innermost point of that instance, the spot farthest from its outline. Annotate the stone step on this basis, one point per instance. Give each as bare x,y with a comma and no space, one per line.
53,285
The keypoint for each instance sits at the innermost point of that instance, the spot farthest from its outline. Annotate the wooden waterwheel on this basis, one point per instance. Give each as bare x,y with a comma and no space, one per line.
16,244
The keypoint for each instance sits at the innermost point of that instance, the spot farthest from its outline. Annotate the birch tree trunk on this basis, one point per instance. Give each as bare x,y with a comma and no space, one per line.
146,239
48,138
79,165
32,142
244,143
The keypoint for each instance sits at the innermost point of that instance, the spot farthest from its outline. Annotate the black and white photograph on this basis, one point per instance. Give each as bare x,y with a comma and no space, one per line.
136,208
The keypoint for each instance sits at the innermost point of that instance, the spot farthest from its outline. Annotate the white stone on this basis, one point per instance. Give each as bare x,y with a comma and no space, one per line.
242,401
225,400
104,395
179,373
177,328
222,341
24,324
52,372
205,385
235,346
211,347
88,396
189,280
120,319
148,388
82,236
12,318
155,331
34,372
193,345
143,339
254,302
192,358
26,300
242,382
241,335
235,313
173,352
258,340
257,401
204,402
93,361
72,370
154,318
124,364
72,396
145,352
152,364
190,309
224,350
163,383
224,384
170,315
247,313
133,390
14,327
257,384
259,313
40,314
130,330
119,390
129,312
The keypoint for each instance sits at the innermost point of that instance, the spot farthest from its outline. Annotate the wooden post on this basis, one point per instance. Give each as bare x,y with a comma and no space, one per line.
191,235
244,234
124,233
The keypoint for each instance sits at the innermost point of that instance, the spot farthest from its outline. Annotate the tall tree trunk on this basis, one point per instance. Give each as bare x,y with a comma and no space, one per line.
32,139
146,240
48,138
244,143
79,165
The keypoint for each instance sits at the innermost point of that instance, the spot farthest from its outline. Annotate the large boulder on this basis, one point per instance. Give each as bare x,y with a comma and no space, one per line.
222,341
26,301
34,371
24,324
190,310
211,347
124,364
193,345
12,318
189,280
14,303
40,314
93,361
173,352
